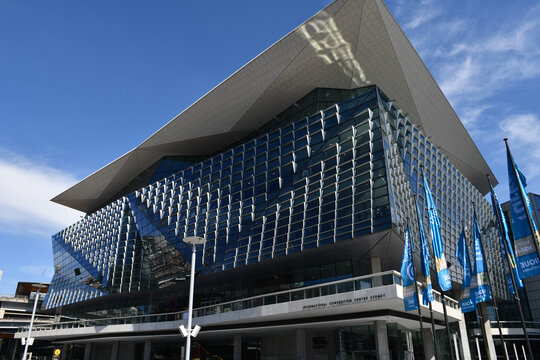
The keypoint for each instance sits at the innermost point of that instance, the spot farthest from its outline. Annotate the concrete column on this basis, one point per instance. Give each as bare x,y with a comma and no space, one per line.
87,348
300,344
375,262
114,351
487,329
429,345
465,347
147,349
381,340
237,347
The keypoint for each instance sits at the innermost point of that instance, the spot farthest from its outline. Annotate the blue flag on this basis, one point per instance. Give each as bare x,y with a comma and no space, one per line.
504,238
527,257
407,275
480,290
462,254
435,224
427,290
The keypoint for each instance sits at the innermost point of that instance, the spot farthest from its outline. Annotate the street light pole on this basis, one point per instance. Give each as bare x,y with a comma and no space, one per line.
32,318
193,241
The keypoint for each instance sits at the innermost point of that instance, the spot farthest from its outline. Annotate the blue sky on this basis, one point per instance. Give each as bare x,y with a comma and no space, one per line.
82,83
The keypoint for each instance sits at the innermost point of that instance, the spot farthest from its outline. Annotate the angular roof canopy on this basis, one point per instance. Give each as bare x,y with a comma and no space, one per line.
349,44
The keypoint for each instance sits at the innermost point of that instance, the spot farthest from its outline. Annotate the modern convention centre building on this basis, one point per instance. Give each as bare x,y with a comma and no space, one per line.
301,170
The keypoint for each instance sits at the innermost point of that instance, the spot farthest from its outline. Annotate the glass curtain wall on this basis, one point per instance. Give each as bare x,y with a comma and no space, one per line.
348,170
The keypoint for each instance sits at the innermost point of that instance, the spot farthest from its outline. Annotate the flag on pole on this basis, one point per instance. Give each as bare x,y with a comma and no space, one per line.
504,238
462,254
427,290
527,256
480,290
407,275
435,224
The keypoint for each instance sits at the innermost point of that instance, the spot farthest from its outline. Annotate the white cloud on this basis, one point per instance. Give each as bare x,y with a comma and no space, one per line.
27,187
511,38
472,58
524,128
523,132
471,116
471,76
423,15
458,77
521,38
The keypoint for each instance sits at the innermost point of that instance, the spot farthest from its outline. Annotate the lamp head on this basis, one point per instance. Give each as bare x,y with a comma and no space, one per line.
183,330
194,240
195,330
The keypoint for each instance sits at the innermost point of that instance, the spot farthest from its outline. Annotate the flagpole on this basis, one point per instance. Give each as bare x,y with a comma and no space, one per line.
493,298
443,300
531,227
433,331
441,286
479,313
434,334
418,298
510,267
484,335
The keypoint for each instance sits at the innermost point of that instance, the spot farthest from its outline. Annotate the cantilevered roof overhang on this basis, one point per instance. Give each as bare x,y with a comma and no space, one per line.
348,44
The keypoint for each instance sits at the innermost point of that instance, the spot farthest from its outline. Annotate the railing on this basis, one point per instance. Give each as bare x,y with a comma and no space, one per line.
336,287
26,318
13,297
454,304
533,327
516,324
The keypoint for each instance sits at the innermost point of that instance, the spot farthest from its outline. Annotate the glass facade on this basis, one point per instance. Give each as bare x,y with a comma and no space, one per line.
335,166
408,150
